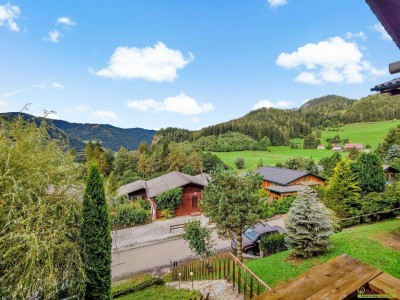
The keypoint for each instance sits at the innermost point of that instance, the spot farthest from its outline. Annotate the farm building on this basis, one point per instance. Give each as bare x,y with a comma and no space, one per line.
191,195
348,147
336,147
390,173
281,183
320,147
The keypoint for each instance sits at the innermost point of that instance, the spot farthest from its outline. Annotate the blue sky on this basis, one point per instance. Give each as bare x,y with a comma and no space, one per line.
189,64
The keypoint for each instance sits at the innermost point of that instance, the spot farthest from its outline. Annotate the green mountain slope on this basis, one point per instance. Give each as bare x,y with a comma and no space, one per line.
111,137
281,125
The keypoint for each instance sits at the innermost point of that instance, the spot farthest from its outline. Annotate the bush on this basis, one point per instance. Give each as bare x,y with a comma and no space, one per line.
138,287
239,162
272,243
167,213
170,199
126,213
268,210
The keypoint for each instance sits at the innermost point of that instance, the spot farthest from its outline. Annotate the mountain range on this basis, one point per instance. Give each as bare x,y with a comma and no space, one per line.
279,125
109,136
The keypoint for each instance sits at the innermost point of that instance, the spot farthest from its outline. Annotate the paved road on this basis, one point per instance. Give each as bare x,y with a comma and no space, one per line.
148,258
153,257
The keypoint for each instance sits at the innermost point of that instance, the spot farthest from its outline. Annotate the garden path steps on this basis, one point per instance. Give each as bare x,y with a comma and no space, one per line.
217,289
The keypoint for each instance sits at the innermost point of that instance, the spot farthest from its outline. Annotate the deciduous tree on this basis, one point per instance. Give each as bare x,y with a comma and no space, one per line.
231,201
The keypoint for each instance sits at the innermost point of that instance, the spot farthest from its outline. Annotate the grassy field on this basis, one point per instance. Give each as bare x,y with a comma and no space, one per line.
359,242
365,133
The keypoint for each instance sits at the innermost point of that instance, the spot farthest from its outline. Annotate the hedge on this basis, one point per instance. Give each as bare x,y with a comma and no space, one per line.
138,287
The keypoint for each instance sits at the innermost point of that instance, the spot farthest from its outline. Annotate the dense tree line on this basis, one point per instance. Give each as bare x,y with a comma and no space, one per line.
281,125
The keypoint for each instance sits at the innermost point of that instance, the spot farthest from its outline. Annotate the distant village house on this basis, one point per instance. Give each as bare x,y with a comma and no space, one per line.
281,183
320,147
390,173
191,195
336,147
348,147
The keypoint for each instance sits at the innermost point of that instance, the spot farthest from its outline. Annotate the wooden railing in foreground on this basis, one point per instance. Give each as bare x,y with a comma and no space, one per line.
225,266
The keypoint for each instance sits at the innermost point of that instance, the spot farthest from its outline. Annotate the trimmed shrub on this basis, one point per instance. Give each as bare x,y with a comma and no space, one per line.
138,287
239,162
272,243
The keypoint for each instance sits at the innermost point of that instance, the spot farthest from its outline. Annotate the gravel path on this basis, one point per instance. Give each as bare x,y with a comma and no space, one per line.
218,289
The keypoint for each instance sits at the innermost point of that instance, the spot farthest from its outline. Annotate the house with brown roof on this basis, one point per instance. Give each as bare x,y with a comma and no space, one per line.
348,147
281,182
192,189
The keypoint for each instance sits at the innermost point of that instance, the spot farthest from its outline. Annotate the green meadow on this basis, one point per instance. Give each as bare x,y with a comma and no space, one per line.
364,133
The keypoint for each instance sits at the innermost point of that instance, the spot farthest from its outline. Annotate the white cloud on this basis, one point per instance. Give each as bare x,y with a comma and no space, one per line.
279,104
53,36
307,77
65,21
276,3
361,35
57,85
158,63
381,30
8,14
105,115
53,115
181,104
78,109
333,60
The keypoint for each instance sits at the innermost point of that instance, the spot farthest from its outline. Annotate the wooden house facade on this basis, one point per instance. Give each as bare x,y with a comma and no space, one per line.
281,183
192,187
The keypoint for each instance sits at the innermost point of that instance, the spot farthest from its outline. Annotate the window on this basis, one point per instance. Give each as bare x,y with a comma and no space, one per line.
195,202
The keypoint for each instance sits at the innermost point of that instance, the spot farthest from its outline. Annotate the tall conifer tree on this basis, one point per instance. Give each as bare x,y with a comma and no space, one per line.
343,192
96,238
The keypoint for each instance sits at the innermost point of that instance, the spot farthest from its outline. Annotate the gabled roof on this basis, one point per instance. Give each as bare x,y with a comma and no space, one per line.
353,146
164,183
281,176
390,168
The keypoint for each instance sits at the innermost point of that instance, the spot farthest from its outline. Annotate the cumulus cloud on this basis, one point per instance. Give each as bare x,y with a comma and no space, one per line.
381,30
158,63
333,60
279,104
65,21
361,35
181,104
276,3
105,115
8,14
53,36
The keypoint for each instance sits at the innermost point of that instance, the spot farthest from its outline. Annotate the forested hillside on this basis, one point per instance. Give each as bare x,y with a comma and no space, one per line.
280,125
79,133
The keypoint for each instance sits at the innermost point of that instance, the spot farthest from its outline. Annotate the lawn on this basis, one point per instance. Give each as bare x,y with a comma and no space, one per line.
359,242
365,133
274,155
162,293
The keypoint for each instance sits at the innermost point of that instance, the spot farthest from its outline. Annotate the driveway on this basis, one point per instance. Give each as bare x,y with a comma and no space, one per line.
153,256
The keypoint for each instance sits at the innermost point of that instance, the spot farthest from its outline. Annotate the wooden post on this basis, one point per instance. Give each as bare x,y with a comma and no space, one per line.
258,288
251,287
244,284
239,278
233,274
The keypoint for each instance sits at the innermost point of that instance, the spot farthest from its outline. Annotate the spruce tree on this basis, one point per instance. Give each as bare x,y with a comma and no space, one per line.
393,153
343,192
308,225
369,173
96,238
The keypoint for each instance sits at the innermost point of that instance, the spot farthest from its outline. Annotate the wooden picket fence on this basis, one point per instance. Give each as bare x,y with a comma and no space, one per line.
224,266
